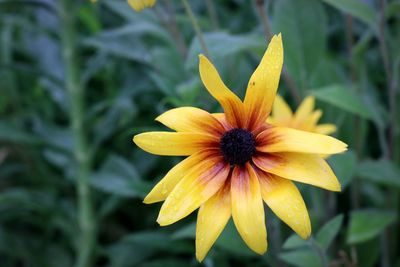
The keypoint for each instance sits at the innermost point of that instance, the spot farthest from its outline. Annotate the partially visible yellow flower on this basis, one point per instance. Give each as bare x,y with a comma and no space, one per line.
139,5
305,118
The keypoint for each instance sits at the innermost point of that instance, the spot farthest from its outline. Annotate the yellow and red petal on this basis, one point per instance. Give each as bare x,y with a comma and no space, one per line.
247,208
212,217
195,188
232,105
304,168
325,128
174,144
171,179
263,84
282,139
281,112
222,119
285,200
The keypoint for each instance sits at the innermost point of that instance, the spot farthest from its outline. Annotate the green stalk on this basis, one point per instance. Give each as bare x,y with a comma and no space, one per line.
81,152
196,27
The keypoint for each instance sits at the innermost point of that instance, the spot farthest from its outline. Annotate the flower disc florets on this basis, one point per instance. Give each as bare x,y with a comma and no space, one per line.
237,146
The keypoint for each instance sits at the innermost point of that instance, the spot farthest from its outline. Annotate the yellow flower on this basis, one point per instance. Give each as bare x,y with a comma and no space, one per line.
305,118
139,5
237,160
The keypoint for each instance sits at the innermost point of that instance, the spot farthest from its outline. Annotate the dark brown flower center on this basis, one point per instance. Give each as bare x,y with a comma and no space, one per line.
237,146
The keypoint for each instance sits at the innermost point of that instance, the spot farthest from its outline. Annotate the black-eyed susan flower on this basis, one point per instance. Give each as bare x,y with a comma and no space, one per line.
305,118
237,160
139,5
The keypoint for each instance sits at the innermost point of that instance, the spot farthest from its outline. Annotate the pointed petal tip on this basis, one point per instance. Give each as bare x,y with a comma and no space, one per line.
261,250
199,257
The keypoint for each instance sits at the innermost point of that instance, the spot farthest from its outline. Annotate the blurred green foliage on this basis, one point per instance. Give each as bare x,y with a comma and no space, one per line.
132,67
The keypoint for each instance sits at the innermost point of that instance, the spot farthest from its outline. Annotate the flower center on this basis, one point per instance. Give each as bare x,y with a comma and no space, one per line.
237,146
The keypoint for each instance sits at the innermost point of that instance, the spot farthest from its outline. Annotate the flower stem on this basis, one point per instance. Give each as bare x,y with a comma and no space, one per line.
196,27
213,13
81,153
172,26
291,85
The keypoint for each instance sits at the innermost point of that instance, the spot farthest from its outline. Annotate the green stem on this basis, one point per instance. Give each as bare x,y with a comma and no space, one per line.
213,13
81,152
196,27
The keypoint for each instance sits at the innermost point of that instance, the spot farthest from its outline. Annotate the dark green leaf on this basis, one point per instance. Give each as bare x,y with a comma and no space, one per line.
357,9
329,231
367,224
344,98
382,172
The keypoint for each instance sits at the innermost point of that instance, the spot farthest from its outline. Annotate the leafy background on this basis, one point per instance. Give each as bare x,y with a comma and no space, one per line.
72,181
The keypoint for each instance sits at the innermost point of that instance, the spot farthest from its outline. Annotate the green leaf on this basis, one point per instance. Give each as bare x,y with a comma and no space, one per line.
344,166
231,241
303,25
301,258
367,224
117,176
357,9
10,133
382,172
343,97
329,231
294,241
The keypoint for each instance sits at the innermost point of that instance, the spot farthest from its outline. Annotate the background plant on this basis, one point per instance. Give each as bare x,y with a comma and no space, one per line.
78,80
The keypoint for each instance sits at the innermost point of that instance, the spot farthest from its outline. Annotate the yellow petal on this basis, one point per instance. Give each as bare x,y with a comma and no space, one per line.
325,128
139,5
310,123
304,168
190,119
262,86
198,185
171,179
232,105
211,220
285,200
304,111
281,139
174,144
281,111
247,208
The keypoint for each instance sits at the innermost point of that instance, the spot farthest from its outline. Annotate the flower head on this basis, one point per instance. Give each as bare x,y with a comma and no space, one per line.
139,5
305,118
237,160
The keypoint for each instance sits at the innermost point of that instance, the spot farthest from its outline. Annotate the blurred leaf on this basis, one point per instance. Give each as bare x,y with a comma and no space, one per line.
367,224
9,133
189,231
217,44
382,172
344,166
167,263
118,176
368,253
328,232
294,241
303,24
357,9
344,98
136,247
231,242
301,258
